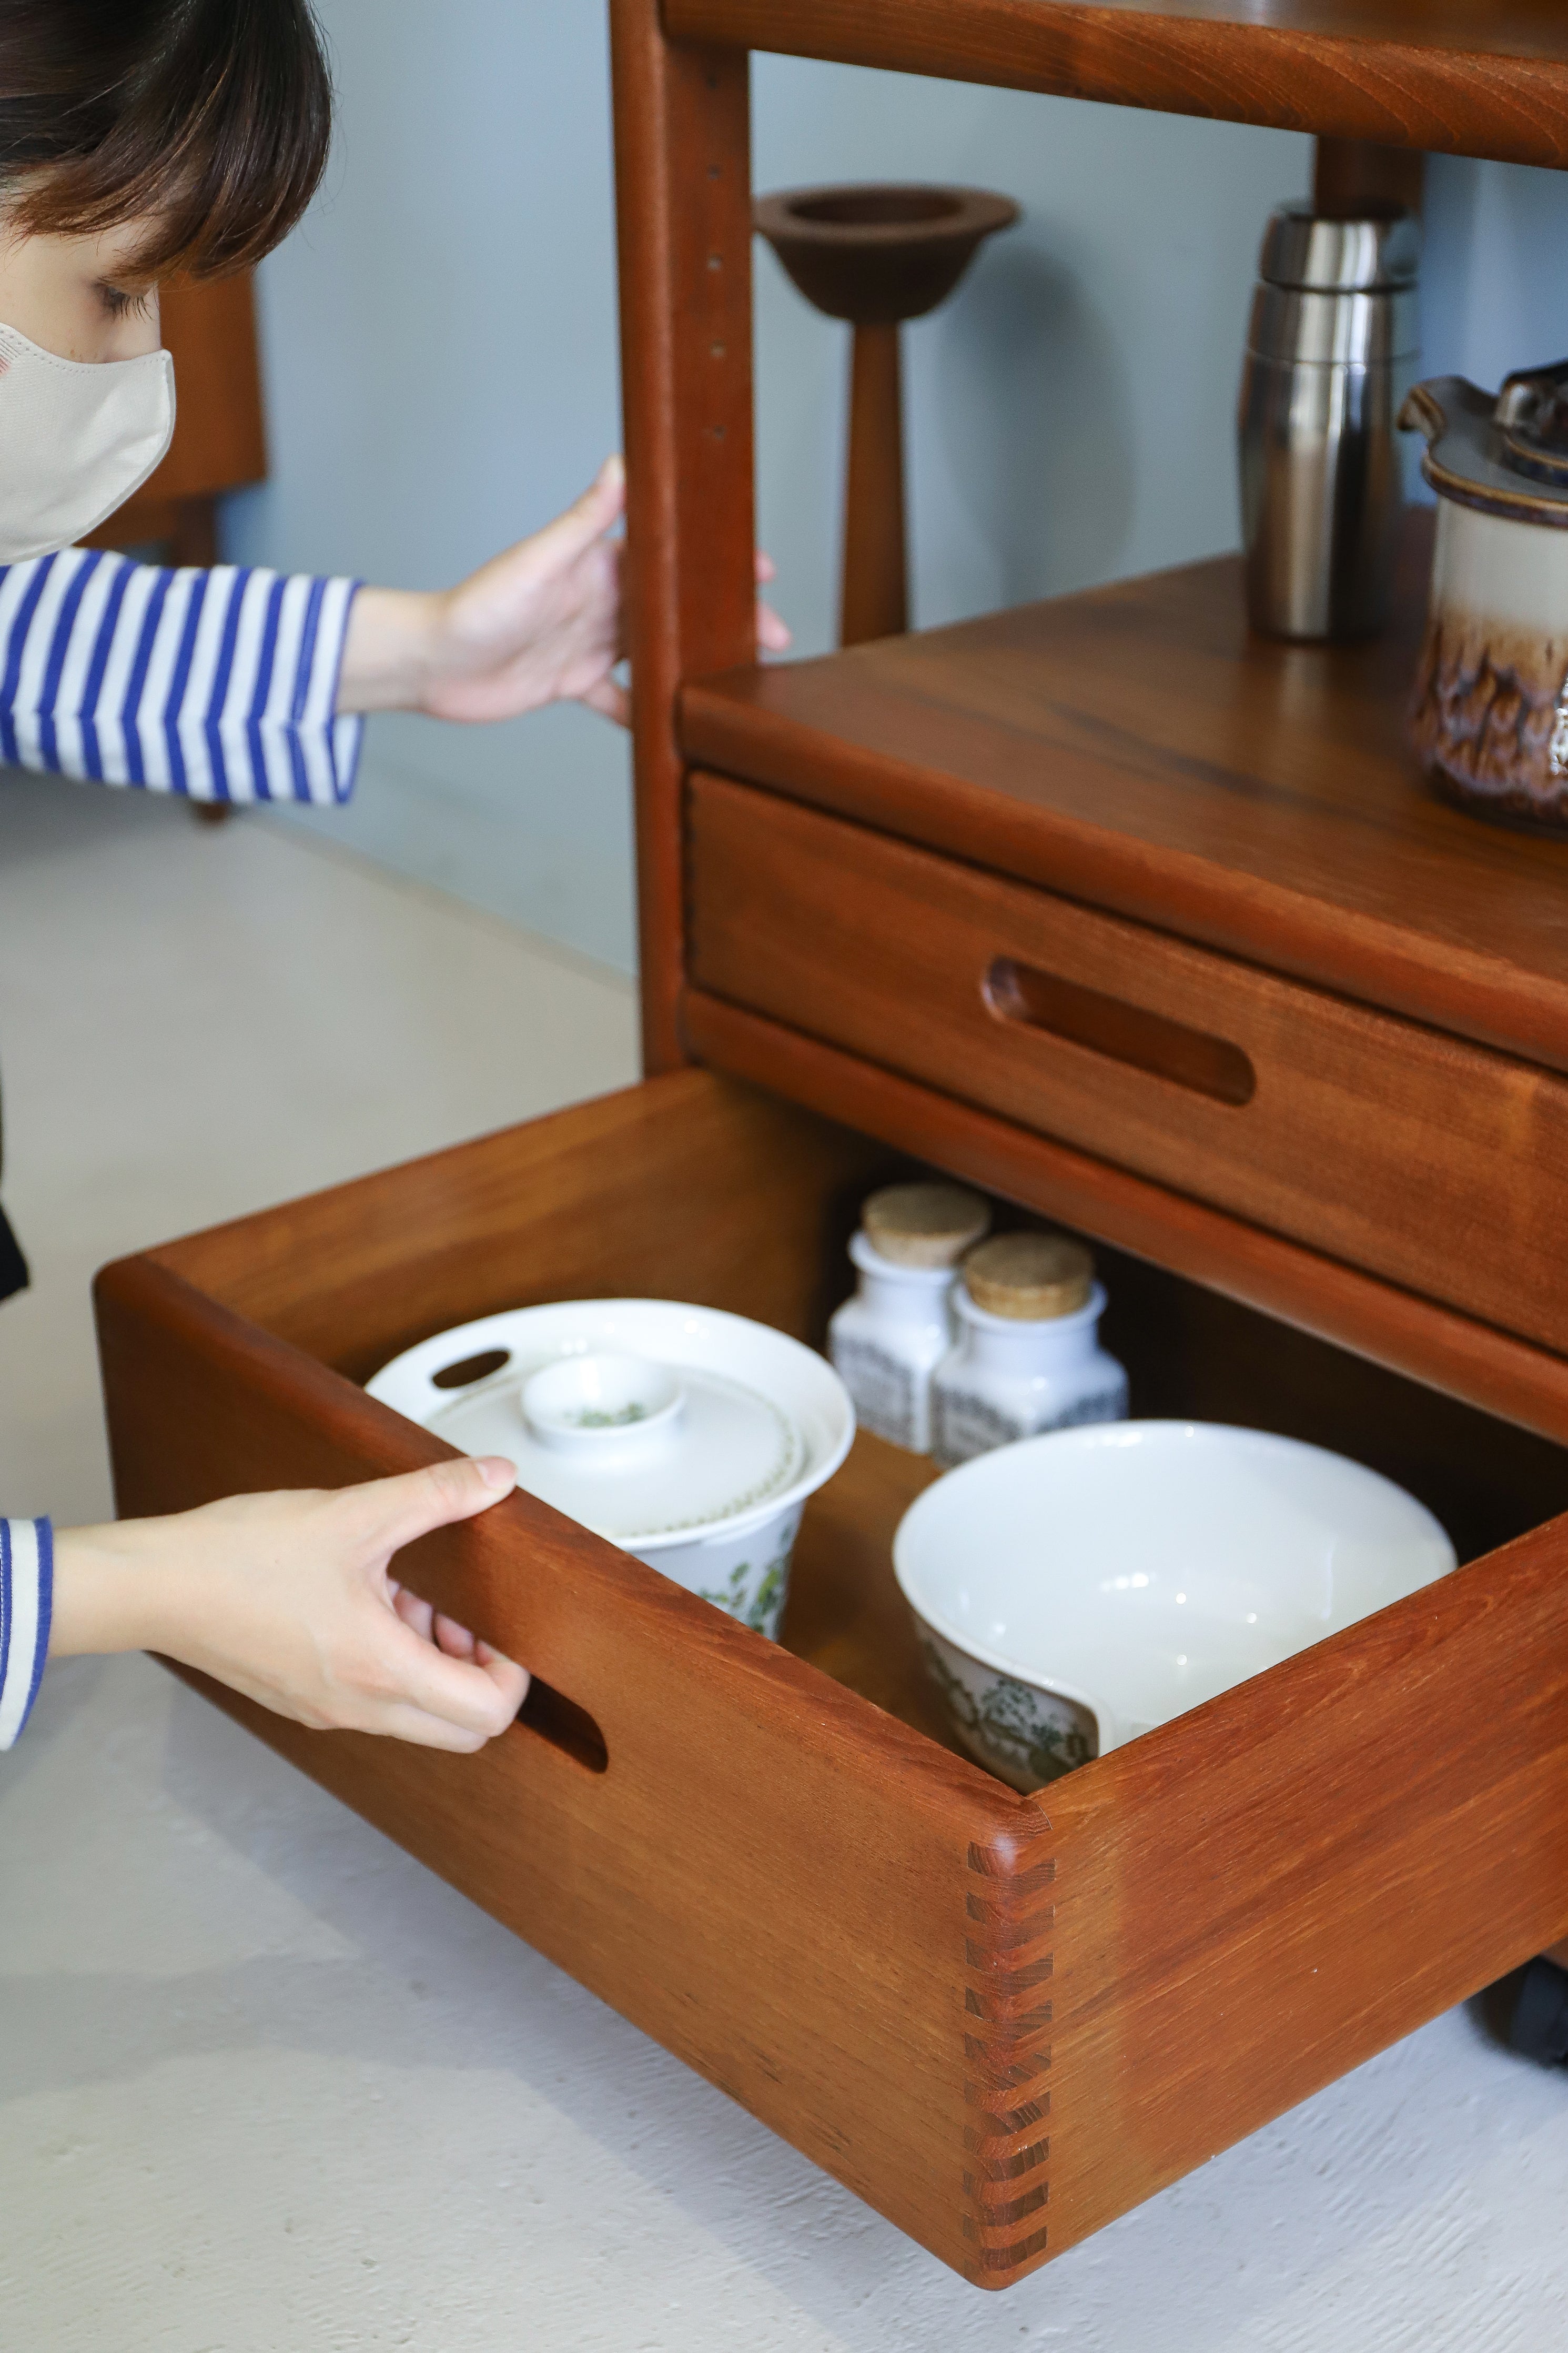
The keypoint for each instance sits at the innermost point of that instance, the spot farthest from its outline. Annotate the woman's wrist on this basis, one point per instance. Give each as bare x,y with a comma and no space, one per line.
110,1591
392,650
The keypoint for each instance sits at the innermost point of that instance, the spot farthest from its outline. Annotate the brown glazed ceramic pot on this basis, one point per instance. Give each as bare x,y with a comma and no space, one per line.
1491,712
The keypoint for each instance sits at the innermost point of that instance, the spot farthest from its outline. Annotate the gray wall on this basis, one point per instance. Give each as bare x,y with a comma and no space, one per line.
440,342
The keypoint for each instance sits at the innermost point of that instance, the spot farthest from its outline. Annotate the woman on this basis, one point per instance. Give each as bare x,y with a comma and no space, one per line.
138,137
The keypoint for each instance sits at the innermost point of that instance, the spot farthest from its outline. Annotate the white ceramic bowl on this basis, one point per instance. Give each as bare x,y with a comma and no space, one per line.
1075,1590
689,1436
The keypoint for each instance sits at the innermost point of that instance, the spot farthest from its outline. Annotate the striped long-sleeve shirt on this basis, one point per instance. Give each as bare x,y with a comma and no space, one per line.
27,1586
222,685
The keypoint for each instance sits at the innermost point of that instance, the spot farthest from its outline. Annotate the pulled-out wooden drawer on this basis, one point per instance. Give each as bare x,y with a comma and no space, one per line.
1429,1161
1001,2019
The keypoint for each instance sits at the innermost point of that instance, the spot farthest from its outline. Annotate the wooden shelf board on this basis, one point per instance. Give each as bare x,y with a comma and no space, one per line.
1135,748
1461,76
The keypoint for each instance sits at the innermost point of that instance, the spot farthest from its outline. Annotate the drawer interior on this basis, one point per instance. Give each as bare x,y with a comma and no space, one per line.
697,1186
1190,1355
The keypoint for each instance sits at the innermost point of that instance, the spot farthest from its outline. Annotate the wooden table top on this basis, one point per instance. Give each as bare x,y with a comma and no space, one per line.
1137,748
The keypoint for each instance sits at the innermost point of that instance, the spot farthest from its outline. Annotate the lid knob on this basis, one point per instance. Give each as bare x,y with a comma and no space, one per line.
605,1409
1030,1277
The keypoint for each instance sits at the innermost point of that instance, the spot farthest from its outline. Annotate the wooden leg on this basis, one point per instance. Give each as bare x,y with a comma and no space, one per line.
876,589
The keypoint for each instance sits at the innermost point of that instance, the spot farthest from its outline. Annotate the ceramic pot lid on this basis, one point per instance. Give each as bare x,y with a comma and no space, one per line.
631,1447
1508,456
648,1420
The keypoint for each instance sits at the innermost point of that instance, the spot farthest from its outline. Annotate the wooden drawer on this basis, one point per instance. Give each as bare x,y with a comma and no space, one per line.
1002,2021
1437,1164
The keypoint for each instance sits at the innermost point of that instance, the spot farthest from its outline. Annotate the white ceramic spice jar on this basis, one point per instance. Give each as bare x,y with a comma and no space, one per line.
1027,1357
887,1340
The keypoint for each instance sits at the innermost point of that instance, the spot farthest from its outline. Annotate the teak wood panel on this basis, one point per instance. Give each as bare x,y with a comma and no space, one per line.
684,222
1463,76
1450,1353
1136,748
1002,2022
1413,1155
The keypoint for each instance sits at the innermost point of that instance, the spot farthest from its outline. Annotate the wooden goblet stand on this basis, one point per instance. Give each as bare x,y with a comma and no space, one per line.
876,257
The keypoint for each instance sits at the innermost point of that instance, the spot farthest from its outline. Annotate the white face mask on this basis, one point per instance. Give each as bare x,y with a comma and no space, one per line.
75,440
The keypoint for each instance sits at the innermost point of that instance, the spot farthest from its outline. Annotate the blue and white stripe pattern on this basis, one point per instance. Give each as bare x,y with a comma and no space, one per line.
222,685
26,1584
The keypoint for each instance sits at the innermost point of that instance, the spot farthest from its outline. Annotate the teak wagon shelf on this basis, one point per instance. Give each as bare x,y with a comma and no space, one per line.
1470,76
1149,929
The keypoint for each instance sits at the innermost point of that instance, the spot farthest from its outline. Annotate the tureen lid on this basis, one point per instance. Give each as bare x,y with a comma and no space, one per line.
1509,455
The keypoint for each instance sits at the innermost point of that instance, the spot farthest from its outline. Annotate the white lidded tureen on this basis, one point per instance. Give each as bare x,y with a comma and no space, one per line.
689,1436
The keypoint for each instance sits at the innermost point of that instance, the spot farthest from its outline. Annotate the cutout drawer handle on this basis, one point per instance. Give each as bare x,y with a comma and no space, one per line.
549,1716
1123,1033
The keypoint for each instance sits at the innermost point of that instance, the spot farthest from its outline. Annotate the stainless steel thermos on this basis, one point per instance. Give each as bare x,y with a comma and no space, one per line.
1330,354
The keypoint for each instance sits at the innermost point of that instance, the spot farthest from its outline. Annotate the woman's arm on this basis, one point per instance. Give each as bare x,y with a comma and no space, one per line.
288,1598
236,685
221,685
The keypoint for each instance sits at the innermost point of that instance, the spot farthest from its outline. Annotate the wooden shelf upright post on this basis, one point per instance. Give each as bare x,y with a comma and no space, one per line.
684,207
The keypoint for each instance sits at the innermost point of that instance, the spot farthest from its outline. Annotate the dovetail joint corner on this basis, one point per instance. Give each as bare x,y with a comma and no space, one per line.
1009,1931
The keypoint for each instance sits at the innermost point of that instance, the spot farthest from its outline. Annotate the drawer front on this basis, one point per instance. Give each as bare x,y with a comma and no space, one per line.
1435,1164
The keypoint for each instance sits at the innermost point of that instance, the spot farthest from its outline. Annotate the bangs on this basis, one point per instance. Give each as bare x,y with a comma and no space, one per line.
209,119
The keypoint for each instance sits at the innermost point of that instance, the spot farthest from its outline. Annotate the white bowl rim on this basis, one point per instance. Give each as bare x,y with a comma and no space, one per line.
1091,1438
494,1329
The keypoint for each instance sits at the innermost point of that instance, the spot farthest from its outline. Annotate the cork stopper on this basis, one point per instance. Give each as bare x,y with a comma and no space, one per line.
924,1225
1029,1277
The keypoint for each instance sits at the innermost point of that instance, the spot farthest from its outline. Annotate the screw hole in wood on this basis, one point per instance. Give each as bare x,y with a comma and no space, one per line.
1122,1033
471,1369
549,1716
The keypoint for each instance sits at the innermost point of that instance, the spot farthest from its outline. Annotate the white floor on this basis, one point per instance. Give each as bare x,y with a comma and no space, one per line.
267,2087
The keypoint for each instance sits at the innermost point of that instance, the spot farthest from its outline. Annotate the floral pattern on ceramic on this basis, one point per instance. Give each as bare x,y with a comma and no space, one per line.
1025,1736
757,1600
746,1576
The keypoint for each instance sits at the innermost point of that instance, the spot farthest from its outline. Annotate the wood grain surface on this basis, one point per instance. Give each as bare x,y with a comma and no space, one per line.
684,213
874,598
1136,748
689,1189
1000,2020
1247,1902
1465,76
1318,1294
945,973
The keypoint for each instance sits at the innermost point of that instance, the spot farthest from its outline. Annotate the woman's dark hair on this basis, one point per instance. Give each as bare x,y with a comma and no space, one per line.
210,118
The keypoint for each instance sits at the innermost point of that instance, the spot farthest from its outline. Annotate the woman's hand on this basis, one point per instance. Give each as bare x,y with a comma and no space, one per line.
288,1598
540,624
